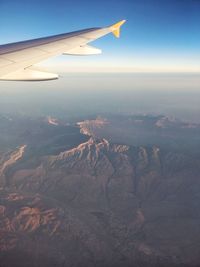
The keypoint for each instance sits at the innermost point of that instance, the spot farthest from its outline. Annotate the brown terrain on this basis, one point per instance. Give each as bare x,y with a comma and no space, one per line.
99,203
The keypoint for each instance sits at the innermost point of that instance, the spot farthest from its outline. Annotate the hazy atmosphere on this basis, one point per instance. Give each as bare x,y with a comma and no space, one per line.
75,95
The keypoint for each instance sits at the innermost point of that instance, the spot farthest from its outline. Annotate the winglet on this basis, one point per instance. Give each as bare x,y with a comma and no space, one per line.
115,29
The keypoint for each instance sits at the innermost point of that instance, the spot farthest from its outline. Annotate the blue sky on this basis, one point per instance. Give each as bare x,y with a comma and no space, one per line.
160,35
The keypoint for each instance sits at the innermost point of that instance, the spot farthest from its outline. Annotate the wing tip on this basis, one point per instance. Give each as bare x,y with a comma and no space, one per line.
115,28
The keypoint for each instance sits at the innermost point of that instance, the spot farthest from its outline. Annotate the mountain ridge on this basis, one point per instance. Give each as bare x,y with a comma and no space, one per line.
113,204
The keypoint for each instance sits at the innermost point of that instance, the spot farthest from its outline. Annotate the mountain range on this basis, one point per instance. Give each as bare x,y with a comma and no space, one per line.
68,199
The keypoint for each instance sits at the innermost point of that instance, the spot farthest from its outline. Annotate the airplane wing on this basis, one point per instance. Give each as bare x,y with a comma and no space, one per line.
17,59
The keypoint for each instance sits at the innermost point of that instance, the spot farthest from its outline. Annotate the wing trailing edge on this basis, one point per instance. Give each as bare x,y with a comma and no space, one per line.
30,75
84,50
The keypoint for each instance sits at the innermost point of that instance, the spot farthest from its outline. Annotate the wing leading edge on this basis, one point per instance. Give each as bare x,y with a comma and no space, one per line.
17,59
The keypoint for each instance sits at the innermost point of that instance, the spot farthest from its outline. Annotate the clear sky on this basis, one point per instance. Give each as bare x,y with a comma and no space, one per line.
160,35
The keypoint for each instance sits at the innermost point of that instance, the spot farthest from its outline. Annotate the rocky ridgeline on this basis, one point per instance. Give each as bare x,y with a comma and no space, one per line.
110,204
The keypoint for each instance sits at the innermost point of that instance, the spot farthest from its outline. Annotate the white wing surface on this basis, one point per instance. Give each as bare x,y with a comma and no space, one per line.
17,59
